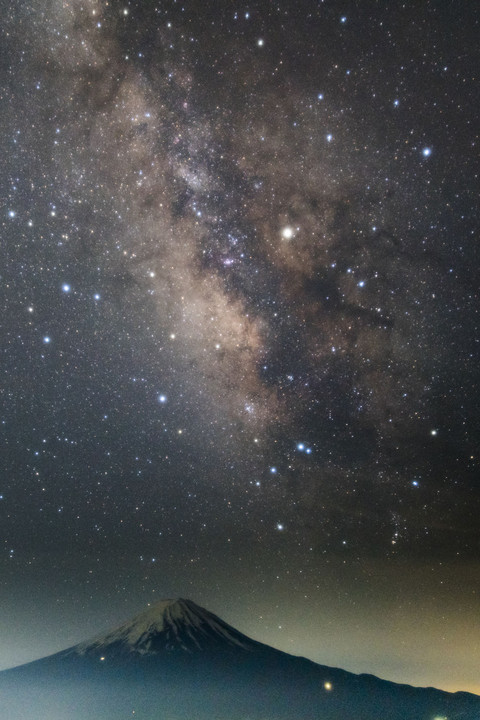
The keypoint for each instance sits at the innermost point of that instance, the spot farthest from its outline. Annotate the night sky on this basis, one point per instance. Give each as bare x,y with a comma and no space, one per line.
240,325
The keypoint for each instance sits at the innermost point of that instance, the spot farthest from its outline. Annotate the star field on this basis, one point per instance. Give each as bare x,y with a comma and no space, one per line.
240,326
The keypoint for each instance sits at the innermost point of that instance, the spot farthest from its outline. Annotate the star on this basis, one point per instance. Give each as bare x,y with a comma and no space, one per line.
287,232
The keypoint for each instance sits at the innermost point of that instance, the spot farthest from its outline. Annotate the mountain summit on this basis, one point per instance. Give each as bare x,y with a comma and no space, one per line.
177,661
169,625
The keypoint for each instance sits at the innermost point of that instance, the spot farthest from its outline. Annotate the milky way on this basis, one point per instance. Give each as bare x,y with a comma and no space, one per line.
240,295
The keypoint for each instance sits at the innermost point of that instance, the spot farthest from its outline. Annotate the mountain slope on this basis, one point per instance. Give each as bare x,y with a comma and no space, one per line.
177,661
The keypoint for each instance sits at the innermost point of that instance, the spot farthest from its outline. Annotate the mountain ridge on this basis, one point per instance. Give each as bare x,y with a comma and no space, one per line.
177,661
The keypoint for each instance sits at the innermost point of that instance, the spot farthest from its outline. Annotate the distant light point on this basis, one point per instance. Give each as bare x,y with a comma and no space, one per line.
328,685
280,526
434,432
273,470
66,288
12,213
47,340
260,42
329,137
426,152
162,399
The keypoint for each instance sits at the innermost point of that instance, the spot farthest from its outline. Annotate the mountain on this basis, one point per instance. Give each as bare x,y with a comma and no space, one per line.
167,626
177,661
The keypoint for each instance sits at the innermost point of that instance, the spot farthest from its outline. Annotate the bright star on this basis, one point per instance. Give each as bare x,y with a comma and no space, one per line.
47,339
162,399
66,288
426,152
287,232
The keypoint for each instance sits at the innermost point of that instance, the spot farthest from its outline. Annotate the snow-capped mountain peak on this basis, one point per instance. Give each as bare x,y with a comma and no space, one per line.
168,625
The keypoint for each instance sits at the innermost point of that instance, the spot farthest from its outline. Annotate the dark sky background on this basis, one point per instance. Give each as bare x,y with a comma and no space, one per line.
240,325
